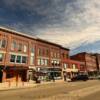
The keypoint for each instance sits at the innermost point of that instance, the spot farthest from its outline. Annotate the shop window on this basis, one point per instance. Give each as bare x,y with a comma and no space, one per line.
24,59
18,60
10,74
12,58
1,57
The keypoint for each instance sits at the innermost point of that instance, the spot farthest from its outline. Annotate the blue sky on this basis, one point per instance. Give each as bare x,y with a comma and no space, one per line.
73,23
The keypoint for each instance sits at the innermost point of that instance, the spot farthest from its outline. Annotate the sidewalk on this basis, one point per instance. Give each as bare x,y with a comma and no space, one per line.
21,85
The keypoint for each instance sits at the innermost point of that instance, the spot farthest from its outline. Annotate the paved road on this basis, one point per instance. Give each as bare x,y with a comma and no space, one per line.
94,96
43,92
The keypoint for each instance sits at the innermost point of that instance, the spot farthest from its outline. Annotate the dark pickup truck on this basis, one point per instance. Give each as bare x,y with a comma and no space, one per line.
80,77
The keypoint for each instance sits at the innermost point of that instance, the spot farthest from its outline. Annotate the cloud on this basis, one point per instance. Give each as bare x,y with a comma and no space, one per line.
67,22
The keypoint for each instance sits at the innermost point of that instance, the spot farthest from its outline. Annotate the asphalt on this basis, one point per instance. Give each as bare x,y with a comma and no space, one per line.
50,91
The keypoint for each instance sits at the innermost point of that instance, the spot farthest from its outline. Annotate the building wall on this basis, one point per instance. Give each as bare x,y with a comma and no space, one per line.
21,52
89,60
97,60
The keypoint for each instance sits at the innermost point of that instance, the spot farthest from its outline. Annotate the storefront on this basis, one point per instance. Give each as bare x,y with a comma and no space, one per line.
15,74
49,73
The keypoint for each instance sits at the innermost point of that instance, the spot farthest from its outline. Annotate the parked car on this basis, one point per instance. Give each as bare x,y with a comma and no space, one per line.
80,77
98,77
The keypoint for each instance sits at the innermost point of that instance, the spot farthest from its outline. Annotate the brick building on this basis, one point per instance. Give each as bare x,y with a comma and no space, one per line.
90,62
73,67
21,55
97,61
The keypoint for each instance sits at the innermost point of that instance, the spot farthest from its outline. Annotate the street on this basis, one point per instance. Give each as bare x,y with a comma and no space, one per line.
94,96
55,91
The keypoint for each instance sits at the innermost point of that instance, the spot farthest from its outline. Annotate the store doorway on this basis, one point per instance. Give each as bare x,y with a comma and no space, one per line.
1,74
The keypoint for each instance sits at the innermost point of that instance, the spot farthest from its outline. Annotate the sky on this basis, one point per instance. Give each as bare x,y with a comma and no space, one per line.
74,24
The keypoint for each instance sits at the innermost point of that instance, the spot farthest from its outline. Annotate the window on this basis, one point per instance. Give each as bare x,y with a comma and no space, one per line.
58,55
51,54
13,45
47,52
10,74
63,55
46,61
2,43
65,66
12,58
32,50
1,57
25,48
19,47
24,59
42,61
39,61
32,60
66,55
39,52
55,54
74,66
43,52
18,60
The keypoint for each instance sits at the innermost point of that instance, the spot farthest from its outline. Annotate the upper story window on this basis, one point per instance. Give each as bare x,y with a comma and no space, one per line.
2,43
32,50
47,52
74,66
67,55
65,65
1,57
39,52
51,54
46,62
13,45
25,48
19,47
63,55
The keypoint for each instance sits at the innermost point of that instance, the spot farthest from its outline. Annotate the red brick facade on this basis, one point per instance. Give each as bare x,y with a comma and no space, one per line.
89,60
20,52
